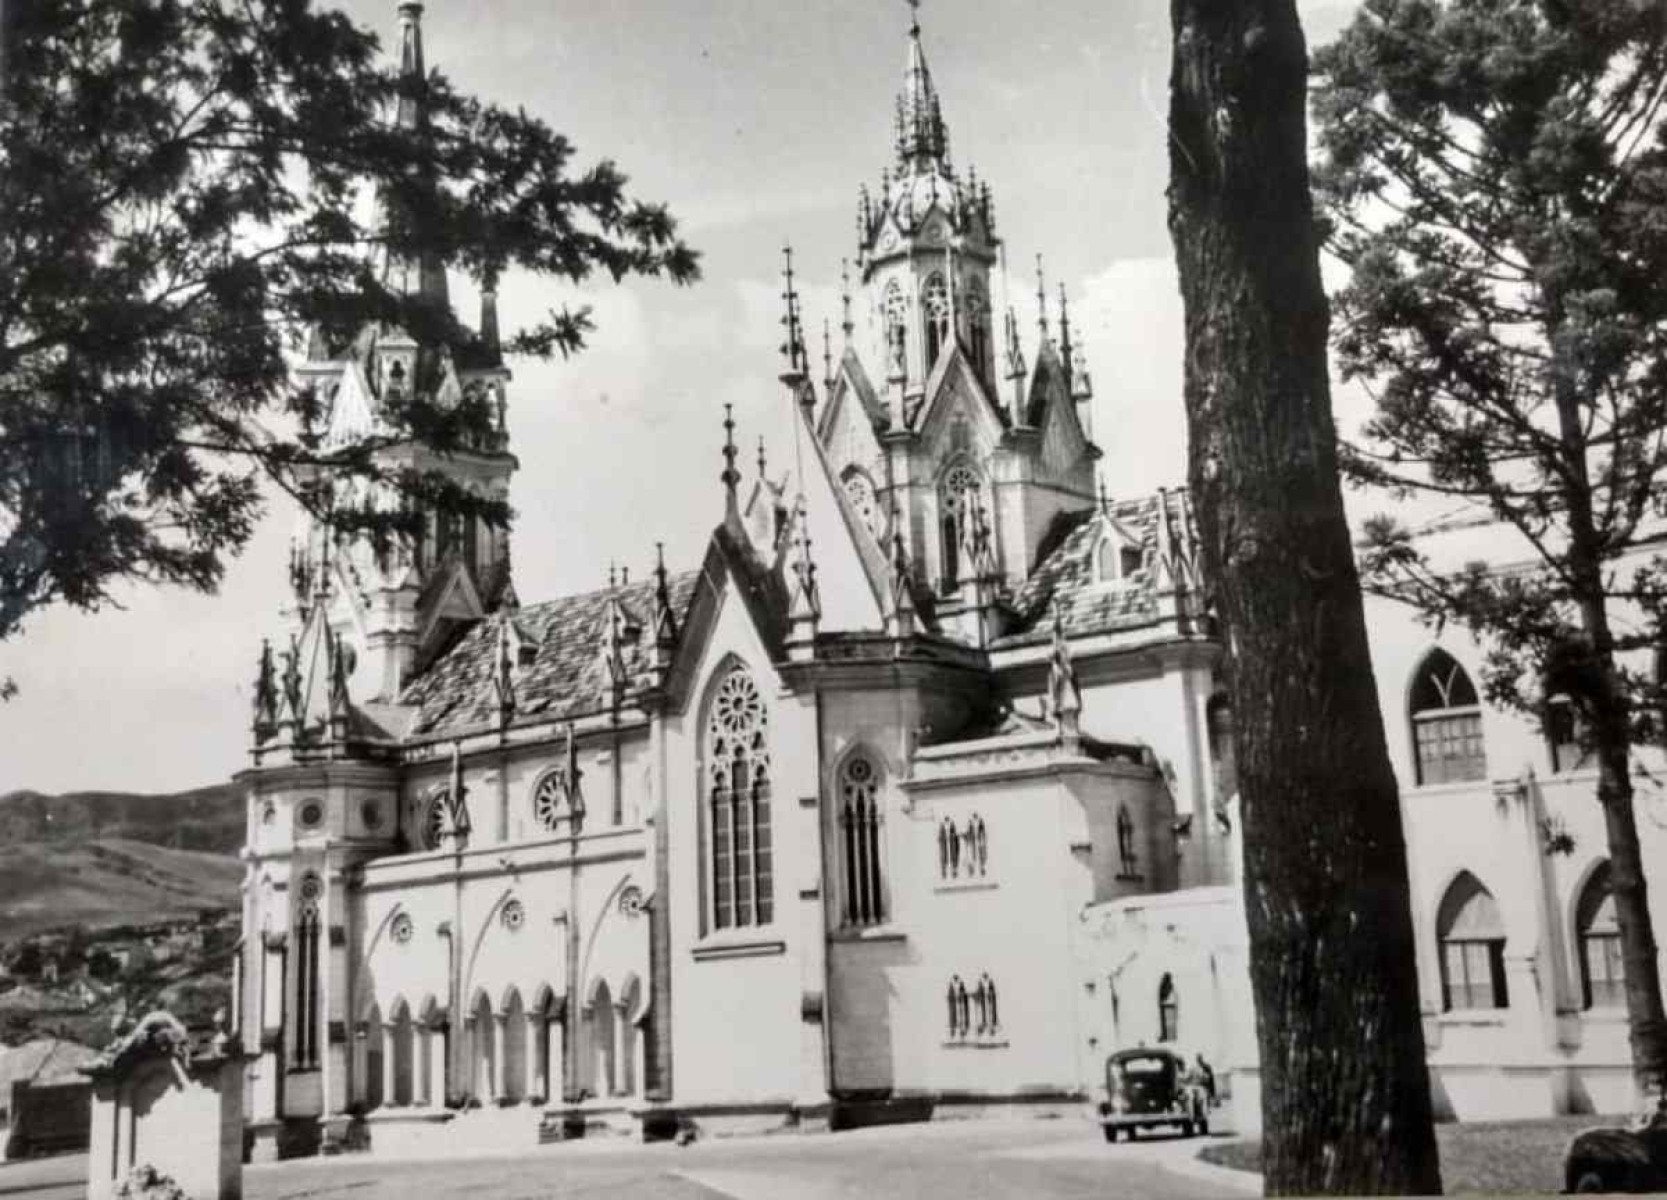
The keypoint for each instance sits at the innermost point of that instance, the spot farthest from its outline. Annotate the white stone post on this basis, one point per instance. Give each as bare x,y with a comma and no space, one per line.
532,1071
436,1067
623,1084
555,1063
497,1073
389,1071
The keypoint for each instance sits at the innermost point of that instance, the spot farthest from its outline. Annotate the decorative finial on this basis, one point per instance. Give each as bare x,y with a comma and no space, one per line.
1041,299
914,18
1105,501
762,473
794,348
731,477
845,297
1065,334
827,356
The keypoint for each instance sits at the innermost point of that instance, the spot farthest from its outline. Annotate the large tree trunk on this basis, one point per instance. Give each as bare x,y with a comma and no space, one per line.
1594,675
1345,1089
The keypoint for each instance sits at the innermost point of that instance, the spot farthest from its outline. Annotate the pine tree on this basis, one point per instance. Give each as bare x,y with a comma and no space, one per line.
1345,1090
1495,173
185,187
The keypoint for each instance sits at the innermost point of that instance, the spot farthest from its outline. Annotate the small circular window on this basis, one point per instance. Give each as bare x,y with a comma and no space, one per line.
311,814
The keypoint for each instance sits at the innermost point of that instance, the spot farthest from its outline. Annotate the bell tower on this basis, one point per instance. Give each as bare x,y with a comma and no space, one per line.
392,606
926,246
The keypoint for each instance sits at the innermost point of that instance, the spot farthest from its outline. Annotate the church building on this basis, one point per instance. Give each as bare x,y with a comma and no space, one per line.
913,795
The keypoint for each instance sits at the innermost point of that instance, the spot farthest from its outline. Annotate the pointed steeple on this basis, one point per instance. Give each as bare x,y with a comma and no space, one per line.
426,277
804,611
490,344
266,695
1065,336
922,139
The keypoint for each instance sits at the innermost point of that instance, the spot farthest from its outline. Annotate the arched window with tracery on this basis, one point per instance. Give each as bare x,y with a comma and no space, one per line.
738,804
557,802
978,327
1602,983
1472,943
1446,723
959,492
1169,1011
896,315
309,893
859,827
934,303
859,490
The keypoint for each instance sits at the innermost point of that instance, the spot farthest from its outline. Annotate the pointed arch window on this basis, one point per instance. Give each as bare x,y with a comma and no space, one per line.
978,327
1602,983
1566,735
960,1008
984,1005
1169,1011
1472,943
963,850
859,827
307,925
896,314
740,849
1446,723
934,302
859,489
959,493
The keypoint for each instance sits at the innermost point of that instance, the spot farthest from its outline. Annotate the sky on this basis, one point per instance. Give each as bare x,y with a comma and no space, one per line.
755,123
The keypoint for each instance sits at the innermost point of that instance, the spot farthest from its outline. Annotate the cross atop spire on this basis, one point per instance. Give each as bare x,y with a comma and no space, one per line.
914,18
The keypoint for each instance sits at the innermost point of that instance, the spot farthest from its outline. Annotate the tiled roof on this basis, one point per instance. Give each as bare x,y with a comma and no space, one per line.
1088,605
566,676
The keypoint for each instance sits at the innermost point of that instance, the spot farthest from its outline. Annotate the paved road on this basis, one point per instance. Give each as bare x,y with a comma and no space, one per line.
963,1160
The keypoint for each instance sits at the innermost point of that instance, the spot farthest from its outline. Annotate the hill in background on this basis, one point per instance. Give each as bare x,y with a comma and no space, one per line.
208,819
115,858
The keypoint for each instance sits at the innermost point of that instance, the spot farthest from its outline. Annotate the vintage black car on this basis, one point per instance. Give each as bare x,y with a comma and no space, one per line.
1619,1160
1146,1088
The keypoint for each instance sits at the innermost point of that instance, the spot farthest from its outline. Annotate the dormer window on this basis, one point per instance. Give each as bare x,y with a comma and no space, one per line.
1116,561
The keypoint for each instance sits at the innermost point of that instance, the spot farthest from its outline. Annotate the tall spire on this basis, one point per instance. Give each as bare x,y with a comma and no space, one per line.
922,138
1065,337
845,297
1041,302
426,276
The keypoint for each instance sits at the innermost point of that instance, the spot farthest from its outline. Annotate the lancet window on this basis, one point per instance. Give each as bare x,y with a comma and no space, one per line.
963,849
740,851
934,299
958,494
860,827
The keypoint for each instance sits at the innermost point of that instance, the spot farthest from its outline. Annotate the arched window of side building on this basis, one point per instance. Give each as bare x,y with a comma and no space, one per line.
1472,943
1169,1011
1446,723
1602,983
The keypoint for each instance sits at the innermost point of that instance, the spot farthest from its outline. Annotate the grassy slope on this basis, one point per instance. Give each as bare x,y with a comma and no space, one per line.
107,881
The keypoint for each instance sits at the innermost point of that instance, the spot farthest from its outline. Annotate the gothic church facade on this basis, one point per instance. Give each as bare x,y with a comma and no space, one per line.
913,794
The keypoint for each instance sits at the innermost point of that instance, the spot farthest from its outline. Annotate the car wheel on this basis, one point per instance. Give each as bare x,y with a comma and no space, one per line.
1110,1132
1186,1129
1591,1180
1203,1127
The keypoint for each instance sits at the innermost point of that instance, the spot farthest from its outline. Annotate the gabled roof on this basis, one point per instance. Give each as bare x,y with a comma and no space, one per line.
955,365
1066,572
852,381
852,572
566,678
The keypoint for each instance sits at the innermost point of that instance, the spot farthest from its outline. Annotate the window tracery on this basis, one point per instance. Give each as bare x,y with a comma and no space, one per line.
738,770
860,825
859,489
1446,723
935,309
959,493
